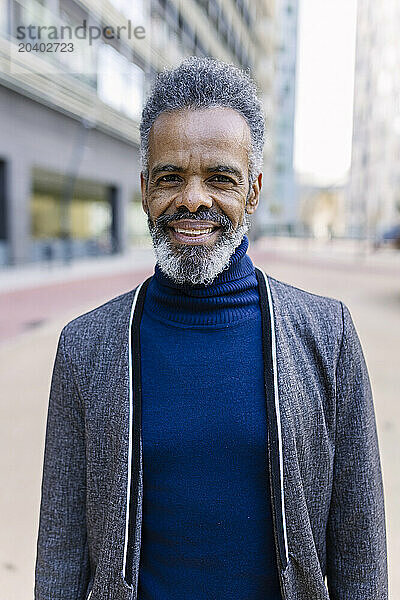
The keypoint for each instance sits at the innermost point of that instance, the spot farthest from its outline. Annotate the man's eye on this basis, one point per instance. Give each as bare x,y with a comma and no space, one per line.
221,179
169,178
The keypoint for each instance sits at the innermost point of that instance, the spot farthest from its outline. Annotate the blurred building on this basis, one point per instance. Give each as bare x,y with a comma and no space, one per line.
71,94
321,210
373,196
284,202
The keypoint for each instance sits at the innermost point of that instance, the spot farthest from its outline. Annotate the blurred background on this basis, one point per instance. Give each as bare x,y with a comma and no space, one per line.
73,77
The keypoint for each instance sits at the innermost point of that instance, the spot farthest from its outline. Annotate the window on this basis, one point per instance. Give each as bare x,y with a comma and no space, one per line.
131,10
63,226
119,82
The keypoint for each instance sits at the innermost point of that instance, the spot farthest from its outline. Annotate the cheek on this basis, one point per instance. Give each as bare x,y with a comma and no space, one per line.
232,205
158,201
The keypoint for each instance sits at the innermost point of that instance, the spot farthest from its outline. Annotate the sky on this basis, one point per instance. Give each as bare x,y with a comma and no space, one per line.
325,85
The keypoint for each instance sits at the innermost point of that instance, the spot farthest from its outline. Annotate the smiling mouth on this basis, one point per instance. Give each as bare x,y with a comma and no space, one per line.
194,231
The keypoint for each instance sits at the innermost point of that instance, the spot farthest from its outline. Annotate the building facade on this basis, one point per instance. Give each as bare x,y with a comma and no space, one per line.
284,201
373,194
73,74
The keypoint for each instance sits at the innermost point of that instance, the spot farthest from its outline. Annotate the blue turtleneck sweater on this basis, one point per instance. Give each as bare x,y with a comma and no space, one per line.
207,524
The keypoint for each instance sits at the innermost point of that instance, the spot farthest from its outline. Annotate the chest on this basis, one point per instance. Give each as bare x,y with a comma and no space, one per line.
202,390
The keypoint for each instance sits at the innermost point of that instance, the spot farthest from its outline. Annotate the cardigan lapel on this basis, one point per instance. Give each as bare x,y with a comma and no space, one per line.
275,450
135,458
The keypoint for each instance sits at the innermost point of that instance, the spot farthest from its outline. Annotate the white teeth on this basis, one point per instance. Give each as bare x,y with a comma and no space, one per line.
194,231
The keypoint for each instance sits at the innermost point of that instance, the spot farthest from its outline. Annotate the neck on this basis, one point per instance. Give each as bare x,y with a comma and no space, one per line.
230,298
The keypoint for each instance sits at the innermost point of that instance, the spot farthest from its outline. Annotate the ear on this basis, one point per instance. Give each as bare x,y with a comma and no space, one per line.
143,188
254,196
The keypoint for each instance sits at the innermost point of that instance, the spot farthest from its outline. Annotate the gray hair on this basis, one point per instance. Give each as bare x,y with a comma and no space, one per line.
203,83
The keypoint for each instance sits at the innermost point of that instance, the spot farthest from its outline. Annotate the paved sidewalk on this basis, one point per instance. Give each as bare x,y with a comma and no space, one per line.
38,274
30,298
31,295
338,254
27,355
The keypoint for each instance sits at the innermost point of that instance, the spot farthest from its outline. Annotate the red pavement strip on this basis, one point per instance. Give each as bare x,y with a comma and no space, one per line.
24,309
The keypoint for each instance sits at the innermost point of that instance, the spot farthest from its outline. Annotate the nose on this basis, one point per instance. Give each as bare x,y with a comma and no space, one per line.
193,196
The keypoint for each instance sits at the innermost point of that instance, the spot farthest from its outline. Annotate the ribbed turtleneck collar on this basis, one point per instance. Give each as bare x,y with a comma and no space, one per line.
230,298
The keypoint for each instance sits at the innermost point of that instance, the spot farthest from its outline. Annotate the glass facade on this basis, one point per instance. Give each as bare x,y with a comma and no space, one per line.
100,85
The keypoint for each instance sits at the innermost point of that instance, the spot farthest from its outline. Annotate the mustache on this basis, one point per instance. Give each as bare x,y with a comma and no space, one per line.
202,215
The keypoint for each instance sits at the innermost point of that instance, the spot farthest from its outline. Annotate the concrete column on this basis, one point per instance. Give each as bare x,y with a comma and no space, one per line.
18,209
3,214
120,198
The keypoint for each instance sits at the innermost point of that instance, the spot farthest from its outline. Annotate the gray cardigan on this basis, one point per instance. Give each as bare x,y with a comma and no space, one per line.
326,488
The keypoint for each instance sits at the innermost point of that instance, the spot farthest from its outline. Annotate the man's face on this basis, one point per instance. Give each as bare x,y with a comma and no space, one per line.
198,193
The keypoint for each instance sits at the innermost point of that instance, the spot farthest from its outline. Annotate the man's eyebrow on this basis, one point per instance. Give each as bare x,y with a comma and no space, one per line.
166,168
225,169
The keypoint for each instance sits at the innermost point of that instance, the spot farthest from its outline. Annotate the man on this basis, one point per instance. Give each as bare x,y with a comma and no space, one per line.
211,434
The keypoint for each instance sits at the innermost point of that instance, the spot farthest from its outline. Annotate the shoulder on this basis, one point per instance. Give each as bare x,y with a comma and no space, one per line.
111,319
306,311
295,297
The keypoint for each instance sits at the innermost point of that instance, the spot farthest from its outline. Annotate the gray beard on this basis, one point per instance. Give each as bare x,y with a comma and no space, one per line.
191,264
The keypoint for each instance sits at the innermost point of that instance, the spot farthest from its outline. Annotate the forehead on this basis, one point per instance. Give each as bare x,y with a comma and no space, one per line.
212,133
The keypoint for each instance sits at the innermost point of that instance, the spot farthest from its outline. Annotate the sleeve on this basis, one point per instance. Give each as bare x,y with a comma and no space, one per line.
356,534
62,568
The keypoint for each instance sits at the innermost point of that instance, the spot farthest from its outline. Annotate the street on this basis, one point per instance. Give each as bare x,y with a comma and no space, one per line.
372,294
